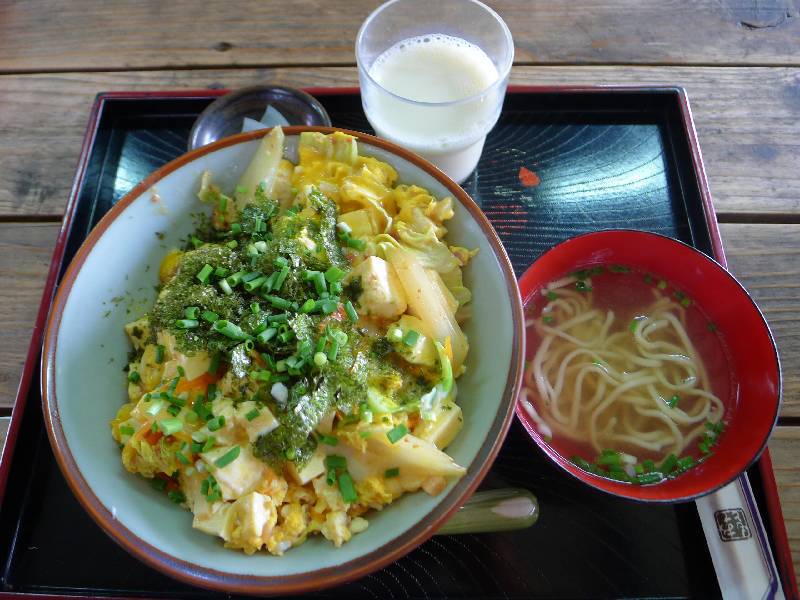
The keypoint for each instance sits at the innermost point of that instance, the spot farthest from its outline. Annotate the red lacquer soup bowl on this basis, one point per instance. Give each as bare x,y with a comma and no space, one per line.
746,358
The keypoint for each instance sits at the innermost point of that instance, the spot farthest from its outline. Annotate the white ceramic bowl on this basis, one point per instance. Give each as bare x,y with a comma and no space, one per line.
111,281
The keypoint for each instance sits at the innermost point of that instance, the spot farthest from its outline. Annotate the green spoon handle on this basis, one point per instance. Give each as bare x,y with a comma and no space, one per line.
494,510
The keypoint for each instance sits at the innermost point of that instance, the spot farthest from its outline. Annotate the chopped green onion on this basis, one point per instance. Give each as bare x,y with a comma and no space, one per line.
227,458
336,287
221,271
393,472
205,272
186,323
250,276
281,262
334,461
233,244
669,464
609,458
266,335
182,458
253,285
411,337
331,476
262,375
333,351
229,330
176,496
685,462
252,414
673,402
686,302
290,453
551,295
346,488
328,306
633,325
211,392
334,274
712,327
320,359
170,426
134,377
278,302
216,423
582,286
159,354
174,410
191,312
356,244
329,440
223,203
308,306
181,373
235,279
278,317
397,433
157,483
209,316
225,287
126,430
547,319
196,242
209,443
255,308
280,278
648,465
662,285
645,478
351,311
365,433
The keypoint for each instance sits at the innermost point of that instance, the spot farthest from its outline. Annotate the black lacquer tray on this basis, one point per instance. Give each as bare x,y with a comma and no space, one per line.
560,162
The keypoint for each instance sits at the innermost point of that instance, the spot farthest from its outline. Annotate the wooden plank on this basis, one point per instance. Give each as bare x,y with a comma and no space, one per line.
748,122
25,252
784,448
46,35
766,260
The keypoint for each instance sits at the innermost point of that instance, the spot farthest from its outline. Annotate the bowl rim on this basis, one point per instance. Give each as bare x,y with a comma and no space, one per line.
590,479
395,547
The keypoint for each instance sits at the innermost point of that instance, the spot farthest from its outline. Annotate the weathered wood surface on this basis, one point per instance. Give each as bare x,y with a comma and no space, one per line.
25,252
784,448
747,121
43,35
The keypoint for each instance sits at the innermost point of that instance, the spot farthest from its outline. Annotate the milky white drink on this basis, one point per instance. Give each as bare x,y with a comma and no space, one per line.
430,70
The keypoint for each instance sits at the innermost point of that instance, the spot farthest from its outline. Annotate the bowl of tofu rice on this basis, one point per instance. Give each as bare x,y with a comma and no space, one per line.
283,360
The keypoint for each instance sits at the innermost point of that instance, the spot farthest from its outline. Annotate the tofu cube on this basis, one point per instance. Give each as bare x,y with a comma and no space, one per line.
257,426
382,295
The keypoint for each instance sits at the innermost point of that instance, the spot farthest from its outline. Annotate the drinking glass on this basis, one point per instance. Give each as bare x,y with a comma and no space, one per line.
450,133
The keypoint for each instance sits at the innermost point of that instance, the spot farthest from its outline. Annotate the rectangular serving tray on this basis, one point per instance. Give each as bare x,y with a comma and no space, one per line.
602,157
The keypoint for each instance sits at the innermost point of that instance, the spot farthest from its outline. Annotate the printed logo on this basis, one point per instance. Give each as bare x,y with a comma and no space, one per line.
732,525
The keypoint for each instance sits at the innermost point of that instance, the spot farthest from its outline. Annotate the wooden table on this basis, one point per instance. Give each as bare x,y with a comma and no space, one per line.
739,60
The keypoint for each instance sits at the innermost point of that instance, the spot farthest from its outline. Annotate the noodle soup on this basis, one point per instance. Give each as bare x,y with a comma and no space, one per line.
626,376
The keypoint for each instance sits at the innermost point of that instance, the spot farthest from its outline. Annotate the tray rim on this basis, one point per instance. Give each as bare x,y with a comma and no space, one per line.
777,524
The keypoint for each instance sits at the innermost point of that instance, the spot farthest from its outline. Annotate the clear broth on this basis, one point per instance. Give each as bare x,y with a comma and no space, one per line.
628,294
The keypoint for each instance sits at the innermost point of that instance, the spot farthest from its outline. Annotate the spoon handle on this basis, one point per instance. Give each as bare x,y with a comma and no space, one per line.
503,509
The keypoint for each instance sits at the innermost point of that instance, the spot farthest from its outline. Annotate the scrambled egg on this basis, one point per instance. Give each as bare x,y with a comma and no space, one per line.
190,425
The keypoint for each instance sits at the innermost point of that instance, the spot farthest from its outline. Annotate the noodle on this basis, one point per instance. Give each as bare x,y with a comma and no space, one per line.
597,379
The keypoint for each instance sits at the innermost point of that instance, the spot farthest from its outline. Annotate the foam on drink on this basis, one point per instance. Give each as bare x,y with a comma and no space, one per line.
435,68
